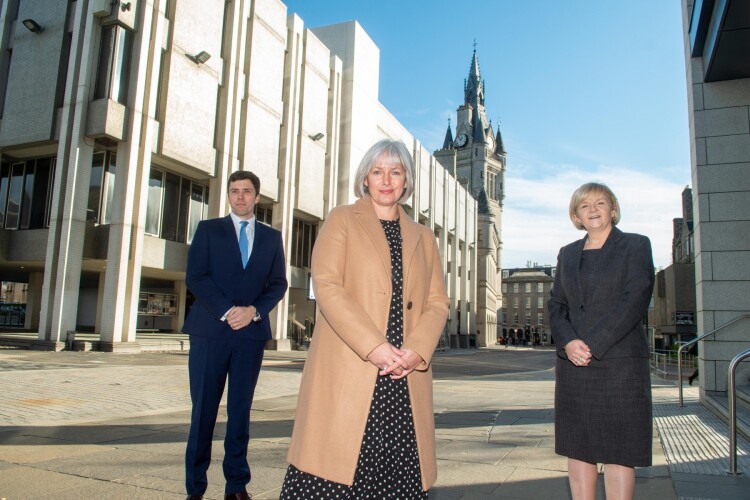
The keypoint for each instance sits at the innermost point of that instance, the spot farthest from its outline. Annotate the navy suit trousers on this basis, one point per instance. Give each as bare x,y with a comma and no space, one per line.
212,362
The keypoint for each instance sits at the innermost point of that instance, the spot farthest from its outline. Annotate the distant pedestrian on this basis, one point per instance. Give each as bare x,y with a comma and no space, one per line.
364,426
236,271
601,293
693,350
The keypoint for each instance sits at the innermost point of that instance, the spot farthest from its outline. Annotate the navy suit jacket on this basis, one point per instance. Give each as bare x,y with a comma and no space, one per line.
608,318
218,281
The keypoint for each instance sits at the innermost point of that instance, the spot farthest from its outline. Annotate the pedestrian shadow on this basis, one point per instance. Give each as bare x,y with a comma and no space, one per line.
130,433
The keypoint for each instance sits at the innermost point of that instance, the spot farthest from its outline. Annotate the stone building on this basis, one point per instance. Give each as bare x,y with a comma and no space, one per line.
717,68
477,158
120,123
524,316
672,318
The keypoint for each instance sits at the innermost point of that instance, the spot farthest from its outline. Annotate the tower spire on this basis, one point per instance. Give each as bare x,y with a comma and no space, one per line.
474,86
499,146
448,142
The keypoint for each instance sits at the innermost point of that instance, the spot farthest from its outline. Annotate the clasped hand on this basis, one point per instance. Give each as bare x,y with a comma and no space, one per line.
578,352
390,360
239,317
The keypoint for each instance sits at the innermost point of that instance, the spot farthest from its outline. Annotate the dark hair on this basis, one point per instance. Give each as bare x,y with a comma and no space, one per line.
245,175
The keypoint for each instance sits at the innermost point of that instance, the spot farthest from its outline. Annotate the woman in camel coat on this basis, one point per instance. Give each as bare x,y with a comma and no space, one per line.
367,291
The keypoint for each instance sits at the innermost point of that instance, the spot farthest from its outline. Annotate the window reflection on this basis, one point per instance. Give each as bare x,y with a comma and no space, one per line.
175,206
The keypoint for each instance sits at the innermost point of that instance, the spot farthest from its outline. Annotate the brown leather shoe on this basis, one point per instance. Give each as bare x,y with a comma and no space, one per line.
242,495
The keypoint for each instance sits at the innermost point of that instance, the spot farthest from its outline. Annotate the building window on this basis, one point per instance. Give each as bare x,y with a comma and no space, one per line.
528,287
515,316
101,187
264,214
515,302
25,193
505,287
175,205
528,319
540,302
303,239
540,319
528,302
540,287
515,287
113,72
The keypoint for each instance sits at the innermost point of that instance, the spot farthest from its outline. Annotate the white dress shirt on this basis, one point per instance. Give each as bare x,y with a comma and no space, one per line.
250,231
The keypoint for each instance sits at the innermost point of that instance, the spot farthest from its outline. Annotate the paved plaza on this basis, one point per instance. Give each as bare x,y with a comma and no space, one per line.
77,425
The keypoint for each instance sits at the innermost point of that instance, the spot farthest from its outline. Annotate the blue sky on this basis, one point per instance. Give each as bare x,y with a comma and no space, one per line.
584,90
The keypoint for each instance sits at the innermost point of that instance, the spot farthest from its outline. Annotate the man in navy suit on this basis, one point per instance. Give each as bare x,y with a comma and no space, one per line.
236,272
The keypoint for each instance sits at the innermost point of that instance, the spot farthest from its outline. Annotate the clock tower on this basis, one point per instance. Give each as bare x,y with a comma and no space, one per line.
477,159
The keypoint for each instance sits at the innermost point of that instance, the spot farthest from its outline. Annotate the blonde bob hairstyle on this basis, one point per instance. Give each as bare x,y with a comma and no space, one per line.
588,189
386,152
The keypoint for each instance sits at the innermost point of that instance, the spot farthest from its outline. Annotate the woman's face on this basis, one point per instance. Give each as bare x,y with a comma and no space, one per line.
595,212
385,183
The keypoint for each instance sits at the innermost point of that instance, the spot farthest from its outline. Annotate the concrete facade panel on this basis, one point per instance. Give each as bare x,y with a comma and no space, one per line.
29,111
704,267
725,236
188,126
734,206
725,295
726,177
695,69
697,96
701,207
728,149
727,93
261,148
723,121
107,118
700,151
314,104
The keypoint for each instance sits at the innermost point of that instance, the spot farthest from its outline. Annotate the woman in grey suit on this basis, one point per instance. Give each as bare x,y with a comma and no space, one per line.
601,293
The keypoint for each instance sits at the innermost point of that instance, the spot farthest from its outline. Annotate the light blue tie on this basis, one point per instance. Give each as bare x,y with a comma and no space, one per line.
243,242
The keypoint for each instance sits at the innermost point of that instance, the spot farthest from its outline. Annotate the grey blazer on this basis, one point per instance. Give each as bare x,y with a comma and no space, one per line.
609,317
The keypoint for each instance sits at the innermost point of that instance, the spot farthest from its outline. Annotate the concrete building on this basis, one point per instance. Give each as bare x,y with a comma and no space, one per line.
477,158
120,123
672,318
717,43
524,316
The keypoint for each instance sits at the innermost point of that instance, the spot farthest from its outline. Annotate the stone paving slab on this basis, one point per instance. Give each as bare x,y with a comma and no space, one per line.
125,437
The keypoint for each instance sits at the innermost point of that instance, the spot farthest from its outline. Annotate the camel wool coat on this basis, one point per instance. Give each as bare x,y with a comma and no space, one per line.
351,274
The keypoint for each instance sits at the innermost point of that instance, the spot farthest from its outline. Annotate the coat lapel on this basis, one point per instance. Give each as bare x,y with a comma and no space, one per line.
365,214
574,265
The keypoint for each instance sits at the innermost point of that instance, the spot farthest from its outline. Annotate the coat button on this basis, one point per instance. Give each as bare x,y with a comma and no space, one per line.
408,306
582,309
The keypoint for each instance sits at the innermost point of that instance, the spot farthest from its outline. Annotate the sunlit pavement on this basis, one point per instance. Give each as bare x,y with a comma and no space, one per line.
87,425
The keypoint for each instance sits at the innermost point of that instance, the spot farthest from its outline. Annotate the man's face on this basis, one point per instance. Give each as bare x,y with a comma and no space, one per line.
243,198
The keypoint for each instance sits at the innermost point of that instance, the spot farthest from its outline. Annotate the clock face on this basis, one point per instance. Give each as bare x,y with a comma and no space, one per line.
461,140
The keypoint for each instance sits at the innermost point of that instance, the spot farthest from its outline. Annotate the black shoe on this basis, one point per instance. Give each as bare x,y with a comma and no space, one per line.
194,497
242,495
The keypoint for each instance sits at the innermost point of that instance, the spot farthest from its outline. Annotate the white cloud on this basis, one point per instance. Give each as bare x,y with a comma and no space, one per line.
535,217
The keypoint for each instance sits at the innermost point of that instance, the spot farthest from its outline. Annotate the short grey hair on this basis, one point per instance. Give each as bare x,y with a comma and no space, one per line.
389,152
586,190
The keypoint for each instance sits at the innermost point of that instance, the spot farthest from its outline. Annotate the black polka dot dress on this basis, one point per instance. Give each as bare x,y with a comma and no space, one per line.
388,465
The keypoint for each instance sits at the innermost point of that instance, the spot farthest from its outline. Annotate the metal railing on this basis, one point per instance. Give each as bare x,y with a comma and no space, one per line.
664,361
732,395
695,340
